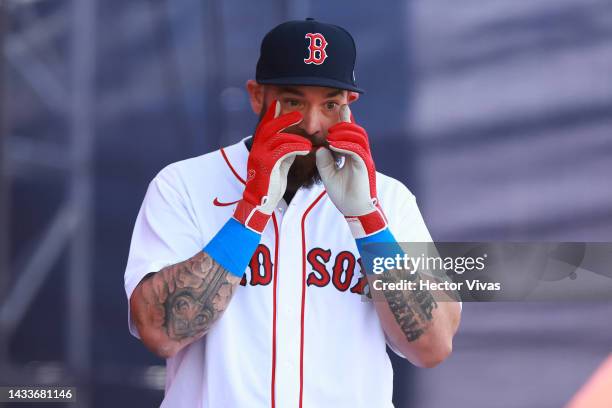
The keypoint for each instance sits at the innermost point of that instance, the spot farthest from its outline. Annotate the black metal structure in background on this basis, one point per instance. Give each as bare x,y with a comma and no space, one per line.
4,180
31,157
4,232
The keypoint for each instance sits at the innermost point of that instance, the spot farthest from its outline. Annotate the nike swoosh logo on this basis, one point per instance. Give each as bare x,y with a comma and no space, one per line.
218,203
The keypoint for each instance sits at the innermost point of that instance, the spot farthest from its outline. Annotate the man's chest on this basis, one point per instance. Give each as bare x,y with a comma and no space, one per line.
307,247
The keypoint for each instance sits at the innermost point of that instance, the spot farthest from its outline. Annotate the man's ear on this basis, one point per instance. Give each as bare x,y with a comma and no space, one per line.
352,97
256,95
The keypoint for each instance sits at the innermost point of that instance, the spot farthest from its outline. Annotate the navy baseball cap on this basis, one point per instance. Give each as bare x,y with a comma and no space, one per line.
308,53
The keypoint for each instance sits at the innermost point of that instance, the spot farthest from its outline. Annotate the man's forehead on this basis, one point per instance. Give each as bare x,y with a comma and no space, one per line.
305,90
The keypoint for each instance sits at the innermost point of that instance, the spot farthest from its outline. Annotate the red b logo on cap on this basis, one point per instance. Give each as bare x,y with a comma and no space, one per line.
316,49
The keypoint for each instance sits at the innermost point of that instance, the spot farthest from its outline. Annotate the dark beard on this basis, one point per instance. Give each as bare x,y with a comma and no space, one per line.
303,172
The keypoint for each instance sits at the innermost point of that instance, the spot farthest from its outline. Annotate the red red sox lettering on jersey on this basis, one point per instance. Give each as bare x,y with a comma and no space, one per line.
338,271
316,49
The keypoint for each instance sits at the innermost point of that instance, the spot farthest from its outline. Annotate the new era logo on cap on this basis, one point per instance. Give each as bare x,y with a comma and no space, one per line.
308,53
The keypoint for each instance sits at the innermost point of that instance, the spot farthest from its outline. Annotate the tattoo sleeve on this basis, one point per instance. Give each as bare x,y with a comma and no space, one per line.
185,299
412,309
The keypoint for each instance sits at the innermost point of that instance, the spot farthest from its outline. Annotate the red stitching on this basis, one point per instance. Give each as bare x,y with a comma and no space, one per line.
232,167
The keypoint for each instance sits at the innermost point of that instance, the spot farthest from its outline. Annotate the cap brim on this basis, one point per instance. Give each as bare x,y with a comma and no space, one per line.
311,81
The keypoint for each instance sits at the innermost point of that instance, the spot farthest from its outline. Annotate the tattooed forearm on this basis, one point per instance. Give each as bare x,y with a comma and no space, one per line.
192,295
185,299
412,309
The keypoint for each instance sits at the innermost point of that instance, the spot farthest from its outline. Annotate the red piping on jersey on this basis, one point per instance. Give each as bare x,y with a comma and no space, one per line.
232,167
275,272
310,207
218,203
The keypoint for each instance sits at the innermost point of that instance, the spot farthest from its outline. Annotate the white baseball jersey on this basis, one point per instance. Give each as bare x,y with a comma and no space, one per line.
296,332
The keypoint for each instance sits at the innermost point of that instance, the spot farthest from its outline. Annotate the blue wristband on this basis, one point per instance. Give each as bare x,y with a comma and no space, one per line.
381,244
233,247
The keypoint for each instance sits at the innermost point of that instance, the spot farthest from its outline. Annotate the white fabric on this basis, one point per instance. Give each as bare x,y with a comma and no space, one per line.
344,358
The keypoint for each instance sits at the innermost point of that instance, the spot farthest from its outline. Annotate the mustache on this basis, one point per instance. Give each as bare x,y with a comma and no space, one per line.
315,140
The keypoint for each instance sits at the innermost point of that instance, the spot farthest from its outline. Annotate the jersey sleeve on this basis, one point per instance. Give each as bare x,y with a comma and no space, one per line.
406,222
165,233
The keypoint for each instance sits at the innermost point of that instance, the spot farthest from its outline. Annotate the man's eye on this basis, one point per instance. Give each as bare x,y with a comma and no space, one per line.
292,103
331,105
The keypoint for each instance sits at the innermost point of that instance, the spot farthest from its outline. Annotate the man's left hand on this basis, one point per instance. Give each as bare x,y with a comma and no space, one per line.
351,185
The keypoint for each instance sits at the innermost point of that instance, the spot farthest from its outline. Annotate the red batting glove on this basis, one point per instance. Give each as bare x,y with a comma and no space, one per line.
352,187
270,158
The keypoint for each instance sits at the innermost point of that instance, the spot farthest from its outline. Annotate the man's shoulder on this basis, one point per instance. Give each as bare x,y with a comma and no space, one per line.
190,166
196,169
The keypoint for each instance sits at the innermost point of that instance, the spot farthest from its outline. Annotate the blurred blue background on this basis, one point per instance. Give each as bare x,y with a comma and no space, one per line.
497,115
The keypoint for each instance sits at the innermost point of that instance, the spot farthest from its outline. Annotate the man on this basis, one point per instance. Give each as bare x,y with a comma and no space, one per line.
244,269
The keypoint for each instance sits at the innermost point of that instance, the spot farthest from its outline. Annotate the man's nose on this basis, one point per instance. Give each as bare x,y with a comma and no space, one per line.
311,123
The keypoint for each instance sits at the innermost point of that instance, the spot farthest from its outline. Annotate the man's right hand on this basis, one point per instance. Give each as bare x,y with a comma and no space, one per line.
270,158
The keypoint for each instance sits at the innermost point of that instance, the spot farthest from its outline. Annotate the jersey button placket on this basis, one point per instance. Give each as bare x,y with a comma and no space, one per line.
288,305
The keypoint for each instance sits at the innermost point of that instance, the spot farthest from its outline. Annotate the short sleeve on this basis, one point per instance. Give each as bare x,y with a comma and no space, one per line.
406,222
165,233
